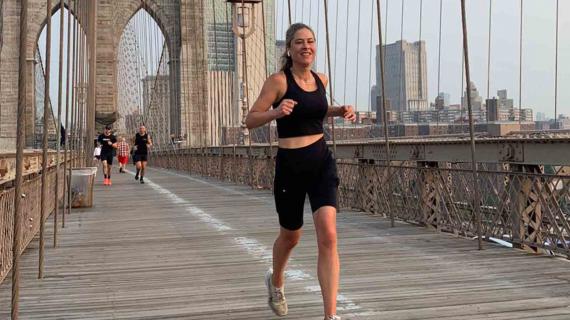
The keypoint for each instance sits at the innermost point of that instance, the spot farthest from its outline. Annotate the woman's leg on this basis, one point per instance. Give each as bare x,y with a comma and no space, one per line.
282,248
138,166
328,262
143,167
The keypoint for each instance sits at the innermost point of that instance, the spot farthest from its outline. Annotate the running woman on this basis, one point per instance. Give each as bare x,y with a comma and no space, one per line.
142,143
304,164
108,143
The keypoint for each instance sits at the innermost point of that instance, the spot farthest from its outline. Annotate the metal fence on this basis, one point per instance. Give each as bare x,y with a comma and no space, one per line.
30,210
525,205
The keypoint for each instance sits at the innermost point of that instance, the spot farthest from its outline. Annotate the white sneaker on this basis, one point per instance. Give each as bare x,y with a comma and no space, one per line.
276,300
333,317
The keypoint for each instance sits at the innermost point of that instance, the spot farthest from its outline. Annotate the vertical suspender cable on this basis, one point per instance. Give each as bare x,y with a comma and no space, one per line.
246,88
43,199
90,118
217,74
58,133
476,204
439,55
66,176
467,88
73,105
401,78
371,53
84,84
186,60
521,60
357,51
336,50
331,77
267,72
556,70
20,141
384,111
386,27
318,28
80,84
420,80
345,52
289,8
489,50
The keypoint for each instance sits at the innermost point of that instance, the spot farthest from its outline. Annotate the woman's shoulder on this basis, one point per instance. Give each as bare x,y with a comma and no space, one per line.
276,81
278,78
323,77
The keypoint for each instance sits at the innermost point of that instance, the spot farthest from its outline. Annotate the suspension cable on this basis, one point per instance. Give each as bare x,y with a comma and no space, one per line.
43,199
556,70
420,64
521,60
345,53
401,78
58,127
489,49
270,138
439,55
357,52
67,110
384,110
20,142
289,7
476,204
331,77
371,53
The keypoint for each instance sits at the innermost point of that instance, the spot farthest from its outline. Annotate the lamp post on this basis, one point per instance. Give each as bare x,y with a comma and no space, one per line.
243,26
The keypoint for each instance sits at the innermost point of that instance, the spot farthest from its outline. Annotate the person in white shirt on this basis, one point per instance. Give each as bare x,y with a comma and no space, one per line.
97,154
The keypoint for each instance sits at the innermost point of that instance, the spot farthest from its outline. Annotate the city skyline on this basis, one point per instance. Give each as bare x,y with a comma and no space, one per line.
538,46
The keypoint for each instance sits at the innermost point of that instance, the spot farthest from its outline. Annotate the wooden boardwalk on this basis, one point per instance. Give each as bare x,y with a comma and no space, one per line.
181,247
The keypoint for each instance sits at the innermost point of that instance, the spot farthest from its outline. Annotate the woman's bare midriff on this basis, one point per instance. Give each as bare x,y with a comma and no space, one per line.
299,142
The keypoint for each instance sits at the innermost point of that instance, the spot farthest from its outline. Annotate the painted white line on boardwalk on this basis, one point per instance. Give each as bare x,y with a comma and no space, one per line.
230,190
251,246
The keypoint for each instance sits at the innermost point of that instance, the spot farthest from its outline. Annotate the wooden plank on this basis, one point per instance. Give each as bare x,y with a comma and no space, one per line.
181,247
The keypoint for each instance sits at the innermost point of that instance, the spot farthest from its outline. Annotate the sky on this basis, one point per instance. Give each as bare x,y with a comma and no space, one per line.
353,26
539,27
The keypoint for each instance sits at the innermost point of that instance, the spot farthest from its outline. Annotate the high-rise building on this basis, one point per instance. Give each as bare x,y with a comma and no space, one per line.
476,99
226,94
405,75
374,98
504,100
442,101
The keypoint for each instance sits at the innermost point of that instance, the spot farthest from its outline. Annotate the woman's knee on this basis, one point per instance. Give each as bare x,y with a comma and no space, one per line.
327,239
325,220
290,238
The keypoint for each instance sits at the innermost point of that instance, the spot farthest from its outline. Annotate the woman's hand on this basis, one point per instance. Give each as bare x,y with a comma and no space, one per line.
347,112
285,108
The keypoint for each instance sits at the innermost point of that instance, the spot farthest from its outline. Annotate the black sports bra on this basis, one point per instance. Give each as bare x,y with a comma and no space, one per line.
308,115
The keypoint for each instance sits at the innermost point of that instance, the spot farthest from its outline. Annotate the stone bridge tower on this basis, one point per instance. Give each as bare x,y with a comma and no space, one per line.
112,18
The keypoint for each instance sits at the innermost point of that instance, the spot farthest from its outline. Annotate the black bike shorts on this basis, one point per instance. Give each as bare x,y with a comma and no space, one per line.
141,157
308,170
107,156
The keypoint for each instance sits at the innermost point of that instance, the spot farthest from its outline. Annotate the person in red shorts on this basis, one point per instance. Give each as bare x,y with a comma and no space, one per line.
123,152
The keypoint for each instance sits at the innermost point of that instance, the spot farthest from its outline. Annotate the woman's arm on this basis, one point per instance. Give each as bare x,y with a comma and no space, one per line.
260,112
346,112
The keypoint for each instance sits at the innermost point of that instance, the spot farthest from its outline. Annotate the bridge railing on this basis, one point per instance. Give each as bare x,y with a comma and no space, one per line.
30,206
523,202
